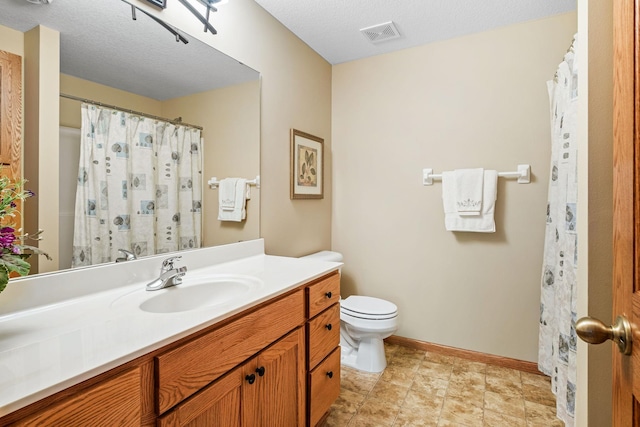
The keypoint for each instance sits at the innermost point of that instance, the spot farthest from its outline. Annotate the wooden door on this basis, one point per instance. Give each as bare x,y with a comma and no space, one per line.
273,391
626,217
11,122
10,113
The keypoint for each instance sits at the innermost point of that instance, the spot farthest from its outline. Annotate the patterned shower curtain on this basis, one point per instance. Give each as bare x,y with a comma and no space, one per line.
557,337
139,187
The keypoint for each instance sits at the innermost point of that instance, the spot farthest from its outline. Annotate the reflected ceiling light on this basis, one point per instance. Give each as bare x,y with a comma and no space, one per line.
205,20
210,3
179,37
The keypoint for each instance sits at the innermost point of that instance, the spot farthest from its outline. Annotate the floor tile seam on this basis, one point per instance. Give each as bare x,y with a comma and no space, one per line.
508,415
522,400
526,413
444,400
539,403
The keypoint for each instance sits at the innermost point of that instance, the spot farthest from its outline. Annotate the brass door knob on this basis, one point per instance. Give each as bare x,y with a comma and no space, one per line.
594,331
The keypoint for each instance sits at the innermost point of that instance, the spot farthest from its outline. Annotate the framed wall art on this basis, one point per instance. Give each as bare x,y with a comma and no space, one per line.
307,166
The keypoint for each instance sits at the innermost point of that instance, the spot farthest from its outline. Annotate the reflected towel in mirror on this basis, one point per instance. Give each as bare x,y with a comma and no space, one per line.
239,212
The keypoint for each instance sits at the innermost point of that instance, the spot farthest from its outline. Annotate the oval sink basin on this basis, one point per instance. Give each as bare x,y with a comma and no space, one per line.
194,293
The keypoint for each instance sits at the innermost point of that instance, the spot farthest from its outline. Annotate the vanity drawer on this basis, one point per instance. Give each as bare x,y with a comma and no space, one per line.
324,334
186,369
322,294
324,386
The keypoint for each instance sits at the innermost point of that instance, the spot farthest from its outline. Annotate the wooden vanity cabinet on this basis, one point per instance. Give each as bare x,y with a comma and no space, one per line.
323,346
277,364
268,390
189,367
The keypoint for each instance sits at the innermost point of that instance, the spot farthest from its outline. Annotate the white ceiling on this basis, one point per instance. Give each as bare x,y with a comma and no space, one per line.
332,27
100,42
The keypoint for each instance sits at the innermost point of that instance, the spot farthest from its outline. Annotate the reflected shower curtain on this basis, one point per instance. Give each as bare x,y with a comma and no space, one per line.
557,337
139,187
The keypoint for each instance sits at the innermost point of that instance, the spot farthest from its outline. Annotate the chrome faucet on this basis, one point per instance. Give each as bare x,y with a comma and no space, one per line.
127,256
169,276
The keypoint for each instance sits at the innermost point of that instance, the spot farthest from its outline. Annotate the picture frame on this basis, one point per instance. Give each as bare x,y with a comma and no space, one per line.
307,166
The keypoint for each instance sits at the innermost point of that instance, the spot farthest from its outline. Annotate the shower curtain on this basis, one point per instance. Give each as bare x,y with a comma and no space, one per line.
139,187
557,337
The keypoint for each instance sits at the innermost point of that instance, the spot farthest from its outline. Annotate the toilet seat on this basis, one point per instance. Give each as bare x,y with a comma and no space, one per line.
369,308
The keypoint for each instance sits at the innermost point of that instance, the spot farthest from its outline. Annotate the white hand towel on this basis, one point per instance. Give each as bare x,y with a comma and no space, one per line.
468,190
483,223
227,194
239,212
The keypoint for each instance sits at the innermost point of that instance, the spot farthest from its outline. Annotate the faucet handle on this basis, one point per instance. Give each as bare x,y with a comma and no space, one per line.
167,264
128,256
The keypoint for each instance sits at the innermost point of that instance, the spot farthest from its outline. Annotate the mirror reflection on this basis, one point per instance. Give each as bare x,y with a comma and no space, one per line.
106,57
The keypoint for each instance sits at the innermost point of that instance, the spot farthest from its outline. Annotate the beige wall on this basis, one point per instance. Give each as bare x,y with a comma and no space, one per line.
296,93
595,209
41,147
70,110
231,121
11,41
474,101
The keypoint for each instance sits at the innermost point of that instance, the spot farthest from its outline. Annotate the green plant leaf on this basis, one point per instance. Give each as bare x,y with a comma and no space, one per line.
12,262
4,278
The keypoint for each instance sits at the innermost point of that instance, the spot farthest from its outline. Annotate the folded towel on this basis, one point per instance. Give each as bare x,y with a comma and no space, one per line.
482,223
239,212
468,190
227,194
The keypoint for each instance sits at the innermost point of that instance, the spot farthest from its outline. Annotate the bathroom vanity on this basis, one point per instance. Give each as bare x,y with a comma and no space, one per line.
267,357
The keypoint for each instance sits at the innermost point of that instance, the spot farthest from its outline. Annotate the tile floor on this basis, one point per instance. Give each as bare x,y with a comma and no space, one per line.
421,388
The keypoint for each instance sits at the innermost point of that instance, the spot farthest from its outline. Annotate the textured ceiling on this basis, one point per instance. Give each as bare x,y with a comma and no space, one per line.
332,27
100,42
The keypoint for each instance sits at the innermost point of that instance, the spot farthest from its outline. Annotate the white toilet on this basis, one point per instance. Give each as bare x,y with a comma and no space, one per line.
364,323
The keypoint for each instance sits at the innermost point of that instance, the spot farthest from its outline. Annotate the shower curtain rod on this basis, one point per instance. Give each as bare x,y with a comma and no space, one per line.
177,121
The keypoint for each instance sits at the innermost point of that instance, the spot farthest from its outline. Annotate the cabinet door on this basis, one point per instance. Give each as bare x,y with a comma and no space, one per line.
217,405
274,385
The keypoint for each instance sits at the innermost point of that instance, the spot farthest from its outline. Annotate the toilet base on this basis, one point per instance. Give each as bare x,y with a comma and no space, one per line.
368,357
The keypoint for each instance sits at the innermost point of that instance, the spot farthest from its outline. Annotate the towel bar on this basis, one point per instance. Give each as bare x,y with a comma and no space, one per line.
214,183
523,174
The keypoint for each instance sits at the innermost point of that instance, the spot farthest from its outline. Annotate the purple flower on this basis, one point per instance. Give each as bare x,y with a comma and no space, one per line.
29,193
7,237
13,205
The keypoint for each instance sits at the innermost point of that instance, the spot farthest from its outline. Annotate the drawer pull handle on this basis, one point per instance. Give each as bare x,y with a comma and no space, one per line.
330,374
250,378
260,371
328,326
328,294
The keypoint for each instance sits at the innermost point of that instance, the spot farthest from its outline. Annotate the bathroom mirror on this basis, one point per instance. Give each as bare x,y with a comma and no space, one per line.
140,64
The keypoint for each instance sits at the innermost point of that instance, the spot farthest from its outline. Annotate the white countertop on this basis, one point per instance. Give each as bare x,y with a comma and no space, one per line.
75,331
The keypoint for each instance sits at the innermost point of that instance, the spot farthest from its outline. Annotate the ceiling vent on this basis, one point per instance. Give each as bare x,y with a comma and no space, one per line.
381,32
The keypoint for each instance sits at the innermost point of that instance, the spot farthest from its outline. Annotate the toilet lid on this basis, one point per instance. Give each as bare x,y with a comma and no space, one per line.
361,306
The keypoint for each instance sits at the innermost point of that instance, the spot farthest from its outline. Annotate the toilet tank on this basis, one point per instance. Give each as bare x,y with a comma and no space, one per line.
326,256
